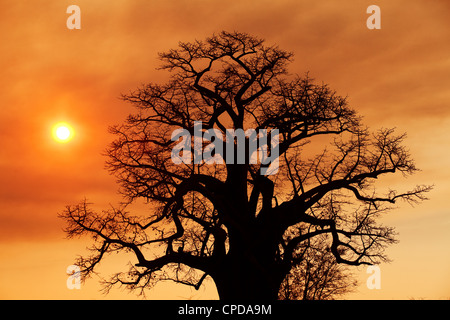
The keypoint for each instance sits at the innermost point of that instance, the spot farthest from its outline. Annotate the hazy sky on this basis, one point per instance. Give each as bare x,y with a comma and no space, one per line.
398,76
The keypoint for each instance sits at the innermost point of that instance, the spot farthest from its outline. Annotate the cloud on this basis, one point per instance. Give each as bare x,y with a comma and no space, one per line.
396,76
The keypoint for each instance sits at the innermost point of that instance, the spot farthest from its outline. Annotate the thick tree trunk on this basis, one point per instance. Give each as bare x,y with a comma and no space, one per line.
240,278
248,271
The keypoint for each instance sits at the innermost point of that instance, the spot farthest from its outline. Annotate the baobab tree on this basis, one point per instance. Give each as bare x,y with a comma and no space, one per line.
232,221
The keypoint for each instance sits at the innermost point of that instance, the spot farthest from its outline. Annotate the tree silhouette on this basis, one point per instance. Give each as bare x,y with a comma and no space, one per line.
317,276
230,221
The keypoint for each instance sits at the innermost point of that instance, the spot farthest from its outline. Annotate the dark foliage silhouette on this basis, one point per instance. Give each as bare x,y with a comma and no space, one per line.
317,276
245,230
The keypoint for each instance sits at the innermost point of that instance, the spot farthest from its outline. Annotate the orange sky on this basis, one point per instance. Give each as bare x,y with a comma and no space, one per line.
398,76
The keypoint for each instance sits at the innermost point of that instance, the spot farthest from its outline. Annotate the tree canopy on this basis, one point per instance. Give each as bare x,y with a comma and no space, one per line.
244,229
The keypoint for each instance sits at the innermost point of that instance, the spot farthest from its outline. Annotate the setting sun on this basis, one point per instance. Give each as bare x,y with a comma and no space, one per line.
62,132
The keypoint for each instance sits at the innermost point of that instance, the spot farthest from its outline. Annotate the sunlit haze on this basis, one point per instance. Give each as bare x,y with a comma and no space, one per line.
396,76
63,132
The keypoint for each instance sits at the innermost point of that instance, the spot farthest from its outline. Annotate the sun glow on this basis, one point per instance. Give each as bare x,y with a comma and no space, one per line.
62,132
